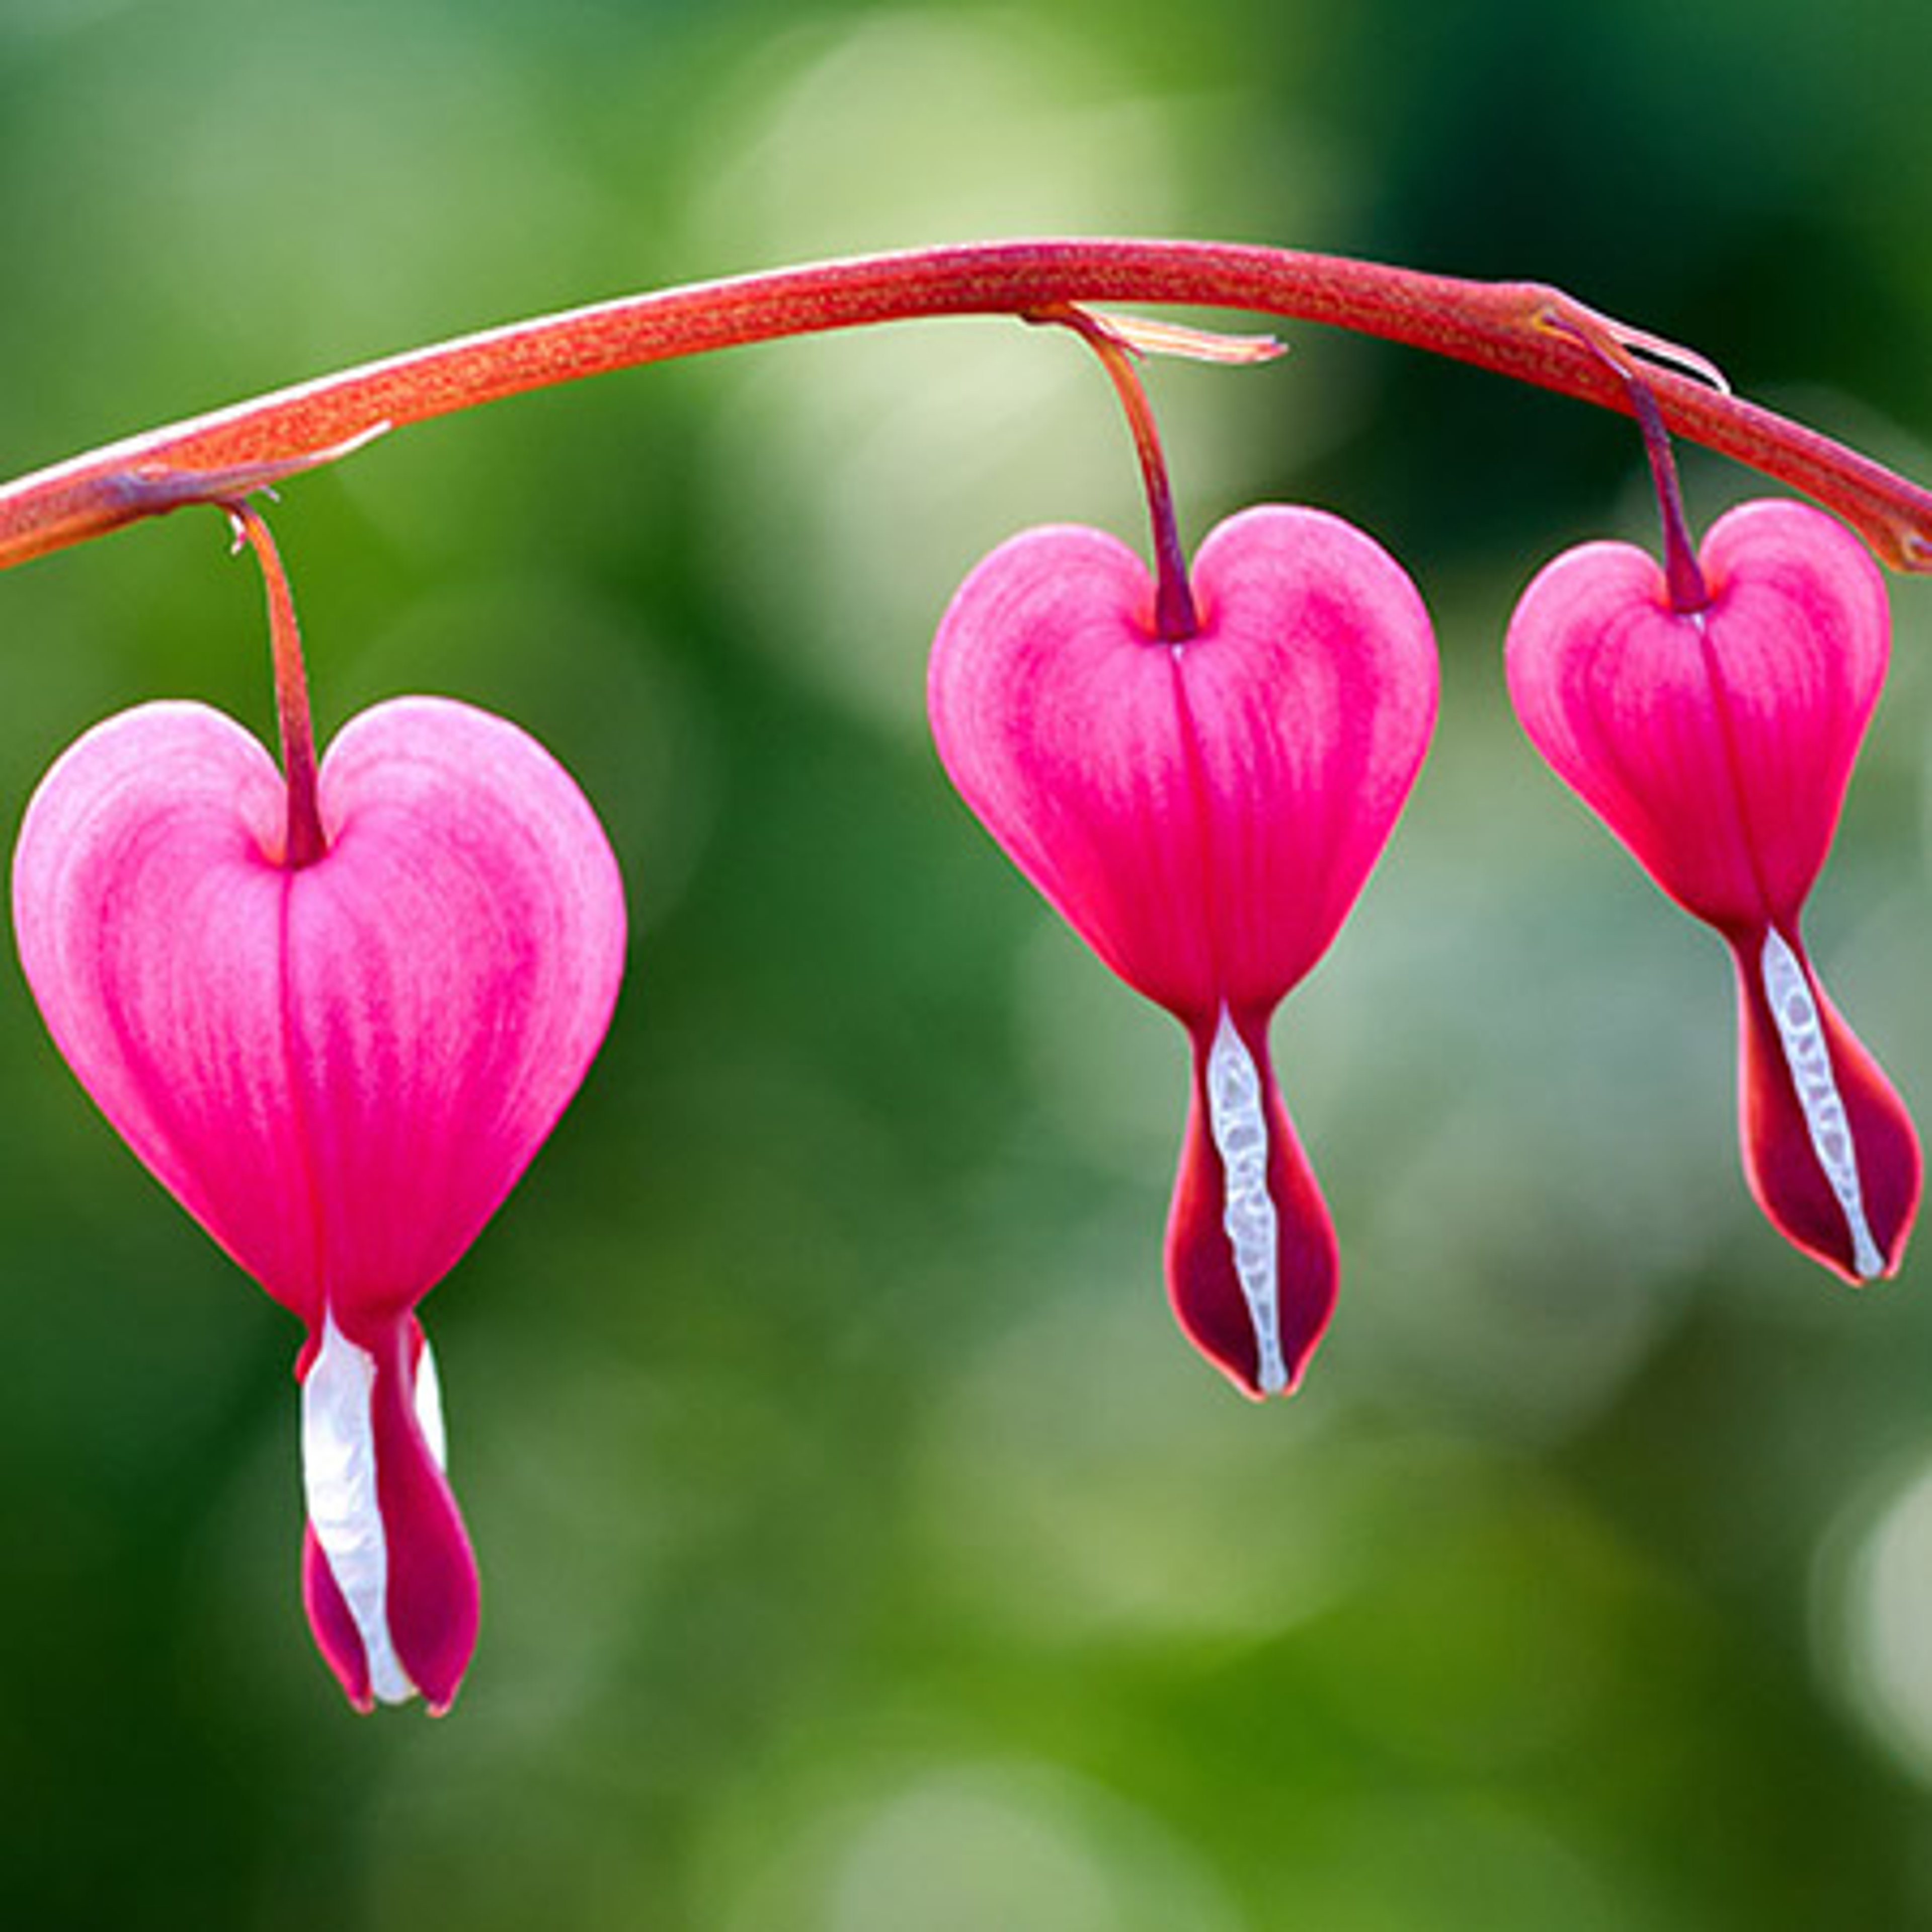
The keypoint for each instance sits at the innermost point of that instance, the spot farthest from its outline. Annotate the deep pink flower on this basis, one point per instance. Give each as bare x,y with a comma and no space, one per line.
1203,813
339,1069
1717,745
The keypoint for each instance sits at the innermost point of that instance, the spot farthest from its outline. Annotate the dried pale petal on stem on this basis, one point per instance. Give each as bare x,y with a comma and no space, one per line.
1151,335
1604,333
152,488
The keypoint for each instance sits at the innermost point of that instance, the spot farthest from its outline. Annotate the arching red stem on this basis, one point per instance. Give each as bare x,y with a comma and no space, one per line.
1518,329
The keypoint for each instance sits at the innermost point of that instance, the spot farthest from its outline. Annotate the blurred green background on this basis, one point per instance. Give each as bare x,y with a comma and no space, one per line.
864,1550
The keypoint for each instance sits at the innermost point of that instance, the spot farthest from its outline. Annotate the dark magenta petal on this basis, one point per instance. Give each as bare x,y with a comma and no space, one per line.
1204,813
1252,1264
434,1592
388,1575
336,1635
1716,746
1828,1147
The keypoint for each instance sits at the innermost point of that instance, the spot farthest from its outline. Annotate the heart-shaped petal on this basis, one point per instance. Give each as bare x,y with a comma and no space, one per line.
340,1070
1204,813
1717,745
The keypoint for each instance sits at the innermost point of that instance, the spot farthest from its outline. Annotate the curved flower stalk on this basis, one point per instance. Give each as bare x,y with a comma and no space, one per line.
339,1067
1712,719
1523,330
1203,810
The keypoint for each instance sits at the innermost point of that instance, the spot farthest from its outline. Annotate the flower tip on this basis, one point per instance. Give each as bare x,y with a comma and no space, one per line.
1283,1378
1829,1148
1286,1381
1243,1376
1881,1259
1252,1264
388,1575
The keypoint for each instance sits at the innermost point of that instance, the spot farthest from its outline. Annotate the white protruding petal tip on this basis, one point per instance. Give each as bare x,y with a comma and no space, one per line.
1800,1032
1238,1121
429,1407
339,1485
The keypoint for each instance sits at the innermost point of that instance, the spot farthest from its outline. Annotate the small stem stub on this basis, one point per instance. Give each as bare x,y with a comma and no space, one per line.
1175,618
304,842
1683,577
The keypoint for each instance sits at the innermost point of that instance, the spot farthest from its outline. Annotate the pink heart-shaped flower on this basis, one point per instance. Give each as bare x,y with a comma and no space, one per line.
340,1070
1717,745
1204,814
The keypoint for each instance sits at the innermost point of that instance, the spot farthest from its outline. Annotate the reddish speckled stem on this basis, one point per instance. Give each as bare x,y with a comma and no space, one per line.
303,843
1520,329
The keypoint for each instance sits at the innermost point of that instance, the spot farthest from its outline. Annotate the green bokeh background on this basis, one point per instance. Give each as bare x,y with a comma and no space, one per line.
864,1550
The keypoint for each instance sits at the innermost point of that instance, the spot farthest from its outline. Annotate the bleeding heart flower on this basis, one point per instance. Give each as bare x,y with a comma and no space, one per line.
1203,812
340,1068
1717,743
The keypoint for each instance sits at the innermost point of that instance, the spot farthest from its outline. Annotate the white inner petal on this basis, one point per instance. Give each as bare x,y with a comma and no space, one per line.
429,1407
1240,1128
1802,1032
339,1481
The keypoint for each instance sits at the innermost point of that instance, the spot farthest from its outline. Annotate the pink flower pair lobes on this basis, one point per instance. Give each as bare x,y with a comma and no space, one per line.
1203,812
340,1069
1717,743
